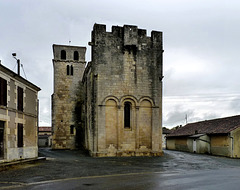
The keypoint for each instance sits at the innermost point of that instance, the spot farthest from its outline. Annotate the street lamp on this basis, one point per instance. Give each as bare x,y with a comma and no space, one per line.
18,62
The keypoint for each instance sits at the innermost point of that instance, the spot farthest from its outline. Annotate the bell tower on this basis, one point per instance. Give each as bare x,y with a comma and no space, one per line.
68,67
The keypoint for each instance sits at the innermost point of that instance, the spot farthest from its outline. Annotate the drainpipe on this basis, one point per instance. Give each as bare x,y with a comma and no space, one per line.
232,140
18,70
18,63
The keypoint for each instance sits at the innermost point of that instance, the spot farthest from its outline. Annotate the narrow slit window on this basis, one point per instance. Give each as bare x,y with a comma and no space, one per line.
127,115
63,54
76,56
71,70
68,70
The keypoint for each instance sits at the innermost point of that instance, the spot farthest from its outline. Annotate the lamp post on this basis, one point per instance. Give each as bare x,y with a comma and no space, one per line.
18,62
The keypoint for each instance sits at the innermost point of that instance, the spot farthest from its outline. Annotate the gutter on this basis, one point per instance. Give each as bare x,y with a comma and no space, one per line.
232,143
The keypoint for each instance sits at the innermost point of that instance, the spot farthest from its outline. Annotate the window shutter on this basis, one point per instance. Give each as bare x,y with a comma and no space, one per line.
3,92
20,99
20,135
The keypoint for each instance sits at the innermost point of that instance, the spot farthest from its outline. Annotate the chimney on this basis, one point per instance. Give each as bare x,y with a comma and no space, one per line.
18,71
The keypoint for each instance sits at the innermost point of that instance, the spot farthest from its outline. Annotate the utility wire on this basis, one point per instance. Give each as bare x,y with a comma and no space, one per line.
14,66
23,71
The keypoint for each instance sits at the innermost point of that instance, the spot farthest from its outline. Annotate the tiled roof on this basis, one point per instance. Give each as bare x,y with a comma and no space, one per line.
215,126
18,77
166,130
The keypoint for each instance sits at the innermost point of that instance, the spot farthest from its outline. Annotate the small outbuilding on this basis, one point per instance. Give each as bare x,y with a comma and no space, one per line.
44,136
217,137
165,131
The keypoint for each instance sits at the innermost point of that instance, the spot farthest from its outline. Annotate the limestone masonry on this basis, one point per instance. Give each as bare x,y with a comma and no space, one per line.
18,117
68,71
118,93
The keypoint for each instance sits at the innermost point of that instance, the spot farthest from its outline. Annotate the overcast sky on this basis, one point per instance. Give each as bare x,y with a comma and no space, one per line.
201,43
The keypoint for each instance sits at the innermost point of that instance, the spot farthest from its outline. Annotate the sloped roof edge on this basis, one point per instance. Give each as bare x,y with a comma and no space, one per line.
214,126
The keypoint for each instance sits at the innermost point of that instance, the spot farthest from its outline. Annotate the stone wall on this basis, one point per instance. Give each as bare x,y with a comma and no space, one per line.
235,143
126,68
221,145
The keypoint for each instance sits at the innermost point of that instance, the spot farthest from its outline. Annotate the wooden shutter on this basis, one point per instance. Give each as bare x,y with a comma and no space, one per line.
20,99
3,92
20,135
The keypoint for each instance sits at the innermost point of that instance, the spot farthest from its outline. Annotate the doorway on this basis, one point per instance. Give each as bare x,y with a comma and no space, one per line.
194,146
1,139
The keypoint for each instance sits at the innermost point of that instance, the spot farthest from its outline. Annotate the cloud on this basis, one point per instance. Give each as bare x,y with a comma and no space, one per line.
201,43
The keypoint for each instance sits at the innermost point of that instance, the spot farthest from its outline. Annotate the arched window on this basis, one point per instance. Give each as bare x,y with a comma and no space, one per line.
63,54
68,70
76,56
127,115
71,70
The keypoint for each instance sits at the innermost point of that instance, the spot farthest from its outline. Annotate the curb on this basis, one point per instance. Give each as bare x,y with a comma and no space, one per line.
5,165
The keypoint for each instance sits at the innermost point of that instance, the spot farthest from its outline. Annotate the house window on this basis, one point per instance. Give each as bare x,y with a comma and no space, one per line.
72,129
63,54
76,56
3,92
127,115
20,135
20,98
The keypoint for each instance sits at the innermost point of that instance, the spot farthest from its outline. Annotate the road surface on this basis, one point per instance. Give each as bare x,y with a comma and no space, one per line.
75,170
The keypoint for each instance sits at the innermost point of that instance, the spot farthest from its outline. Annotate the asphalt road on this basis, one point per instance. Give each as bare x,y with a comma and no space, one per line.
75,170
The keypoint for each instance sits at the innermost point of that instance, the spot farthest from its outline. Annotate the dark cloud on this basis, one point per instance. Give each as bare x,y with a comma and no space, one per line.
200,40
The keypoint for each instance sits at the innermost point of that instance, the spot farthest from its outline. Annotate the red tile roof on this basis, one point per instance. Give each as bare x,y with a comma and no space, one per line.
215,126
166,130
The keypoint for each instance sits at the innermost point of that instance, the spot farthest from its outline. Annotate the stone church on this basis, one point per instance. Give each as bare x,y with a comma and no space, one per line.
120,93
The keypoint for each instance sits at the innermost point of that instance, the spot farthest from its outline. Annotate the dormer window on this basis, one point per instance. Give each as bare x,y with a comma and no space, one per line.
76,56
63,54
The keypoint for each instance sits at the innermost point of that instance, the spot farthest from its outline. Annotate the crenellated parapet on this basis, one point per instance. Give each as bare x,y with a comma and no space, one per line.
128,35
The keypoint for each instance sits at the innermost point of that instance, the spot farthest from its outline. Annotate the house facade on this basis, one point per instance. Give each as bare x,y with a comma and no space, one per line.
44,136
217,137
18,117
165,131
121,88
